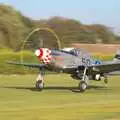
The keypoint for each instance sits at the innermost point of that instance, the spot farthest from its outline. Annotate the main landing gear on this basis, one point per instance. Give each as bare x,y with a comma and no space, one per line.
40,80
84,82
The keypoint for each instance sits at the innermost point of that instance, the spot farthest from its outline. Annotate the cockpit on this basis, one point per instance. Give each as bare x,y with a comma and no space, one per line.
72,51
79,52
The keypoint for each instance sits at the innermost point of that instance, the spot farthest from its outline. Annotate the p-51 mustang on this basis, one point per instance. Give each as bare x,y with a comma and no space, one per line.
76,62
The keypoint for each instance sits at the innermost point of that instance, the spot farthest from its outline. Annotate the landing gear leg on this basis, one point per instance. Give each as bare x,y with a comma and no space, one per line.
84,82
40,80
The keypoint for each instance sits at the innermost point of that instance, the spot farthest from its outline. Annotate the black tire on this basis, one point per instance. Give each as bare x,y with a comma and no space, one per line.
105,81
82,86
39,85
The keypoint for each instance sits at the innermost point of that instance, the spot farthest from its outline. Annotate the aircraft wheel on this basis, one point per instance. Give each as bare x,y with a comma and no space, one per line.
39,84
82,86
105,81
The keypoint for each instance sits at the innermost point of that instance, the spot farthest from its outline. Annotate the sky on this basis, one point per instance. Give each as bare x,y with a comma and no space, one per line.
86,11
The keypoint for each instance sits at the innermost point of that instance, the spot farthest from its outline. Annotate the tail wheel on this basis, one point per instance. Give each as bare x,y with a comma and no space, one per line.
105,81
82,86
39,84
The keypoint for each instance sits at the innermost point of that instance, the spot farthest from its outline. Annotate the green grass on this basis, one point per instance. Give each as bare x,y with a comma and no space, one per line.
20,101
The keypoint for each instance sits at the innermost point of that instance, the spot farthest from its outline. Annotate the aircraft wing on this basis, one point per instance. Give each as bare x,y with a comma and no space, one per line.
102,68
27,64
106,67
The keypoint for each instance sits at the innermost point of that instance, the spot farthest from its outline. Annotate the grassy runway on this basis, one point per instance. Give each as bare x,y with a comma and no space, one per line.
59,100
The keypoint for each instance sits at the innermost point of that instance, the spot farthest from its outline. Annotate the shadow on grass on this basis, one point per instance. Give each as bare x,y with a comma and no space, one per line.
73,89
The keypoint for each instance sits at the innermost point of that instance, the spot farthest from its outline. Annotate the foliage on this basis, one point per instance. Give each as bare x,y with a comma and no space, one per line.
11,27
14,27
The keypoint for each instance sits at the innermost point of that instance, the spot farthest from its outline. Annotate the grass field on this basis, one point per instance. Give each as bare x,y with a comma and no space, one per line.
59,100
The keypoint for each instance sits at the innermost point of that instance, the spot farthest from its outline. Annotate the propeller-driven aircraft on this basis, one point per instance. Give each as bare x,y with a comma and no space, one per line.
76,62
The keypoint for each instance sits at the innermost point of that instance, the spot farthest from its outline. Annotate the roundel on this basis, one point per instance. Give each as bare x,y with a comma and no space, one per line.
97,62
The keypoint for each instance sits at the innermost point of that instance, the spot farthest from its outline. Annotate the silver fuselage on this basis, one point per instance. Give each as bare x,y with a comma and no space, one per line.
62,60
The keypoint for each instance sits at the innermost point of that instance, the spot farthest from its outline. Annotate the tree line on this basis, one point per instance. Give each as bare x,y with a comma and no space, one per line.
14,27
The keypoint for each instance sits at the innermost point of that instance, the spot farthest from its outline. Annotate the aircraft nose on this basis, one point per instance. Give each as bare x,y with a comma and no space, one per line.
39,53
44,54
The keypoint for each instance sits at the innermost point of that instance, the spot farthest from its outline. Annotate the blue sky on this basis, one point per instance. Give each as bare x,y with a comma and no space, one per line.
87,11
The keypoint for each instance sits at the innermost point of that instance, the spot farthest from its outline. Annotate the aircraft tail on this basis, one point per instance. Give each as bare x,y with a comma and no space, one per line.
117,56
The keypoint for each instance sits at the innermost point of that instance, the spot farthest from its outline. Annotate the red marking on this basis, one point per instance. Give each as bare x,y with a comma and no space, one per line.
47,56
48,51
45,59
41,53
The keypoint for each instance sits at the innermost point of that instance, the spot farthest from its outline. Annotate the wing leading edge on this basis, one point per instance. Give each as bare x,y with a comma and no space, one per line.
27,64
106,67
103,68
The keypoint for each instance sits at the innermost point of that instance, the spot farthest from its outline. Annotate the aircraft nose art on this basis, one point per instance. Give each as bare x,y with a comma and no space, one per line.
44,55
